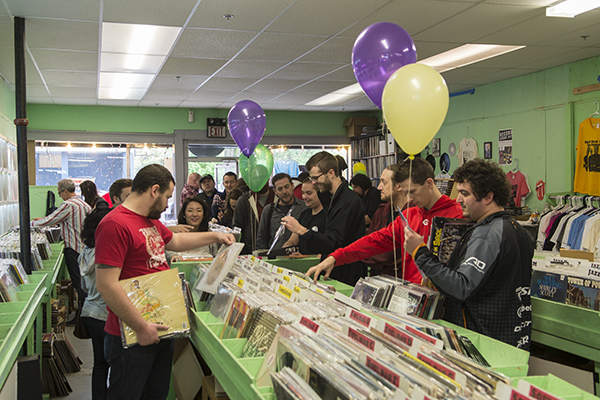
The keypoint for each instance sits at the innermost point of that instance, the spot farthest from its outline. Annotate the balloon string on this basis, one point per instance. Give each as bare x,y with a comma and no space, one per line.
407,213
393,229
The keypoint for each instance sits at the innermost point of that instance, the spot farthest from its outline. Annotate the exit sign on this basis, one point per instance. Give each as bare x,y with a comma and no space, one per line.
216,127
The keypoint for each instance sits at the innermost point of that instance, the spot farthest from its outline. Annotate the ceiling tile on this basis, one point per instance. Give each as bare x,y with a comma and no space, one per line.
191,66
294,98
85,9
149,12
72,92
36,91
280,46
227,84
39,100
7,31
305,70
338,14
167,94
66,60
561,59
75,100
62,35
211,43
466,74
479,21
277,86
118,103
205,95
164,81
247,15
260,98
70,78
336,50
159,103
320,86
249,69
345,74
202,104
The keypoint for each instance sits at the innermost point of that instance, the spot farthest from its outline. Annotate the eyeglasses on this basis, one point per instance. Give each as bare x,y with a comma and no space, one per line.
60,191
316,178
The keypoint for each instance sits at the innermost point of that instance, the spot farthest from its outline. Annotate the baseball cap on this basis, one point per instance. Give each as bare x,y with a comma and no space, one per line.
207,176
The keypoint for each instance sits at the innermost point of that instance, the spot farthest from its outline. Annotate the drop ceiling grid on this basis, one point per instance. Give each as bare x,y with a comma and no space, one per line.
151,12
211,43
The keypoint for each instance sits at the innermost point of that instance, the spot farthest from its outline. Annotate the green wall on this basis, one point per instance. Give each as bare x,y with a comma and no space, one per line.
166,120
543,113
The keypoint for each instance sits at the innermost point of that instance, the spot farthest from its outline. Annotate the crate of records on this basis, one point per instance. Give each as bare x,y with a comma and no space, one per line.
12,276
10,247
314,342
570,281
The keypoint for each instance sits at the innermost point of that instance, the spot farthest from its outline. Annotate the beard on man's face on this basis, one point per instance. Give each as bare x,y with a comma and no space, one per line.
156,209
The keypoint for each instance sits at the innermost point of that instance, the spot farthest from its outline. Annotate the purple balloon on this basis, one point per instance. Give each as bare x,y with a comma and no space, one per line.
247,122
379,51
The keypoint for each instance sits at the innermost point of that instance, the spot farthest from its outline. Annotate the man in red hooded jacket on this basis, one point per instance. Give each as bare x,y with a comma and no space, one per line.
416,178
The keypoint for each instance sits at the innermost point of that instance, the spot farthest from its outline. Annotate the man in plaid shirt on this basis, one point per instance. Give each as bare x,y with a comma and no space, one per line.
192,187
69,215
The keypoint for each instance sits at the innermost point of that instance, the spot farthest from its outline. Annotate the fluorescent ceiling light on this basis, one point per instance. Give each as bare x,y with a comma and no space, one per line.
571,8
131,56
465,55
113,62
339,96
138,39
451,59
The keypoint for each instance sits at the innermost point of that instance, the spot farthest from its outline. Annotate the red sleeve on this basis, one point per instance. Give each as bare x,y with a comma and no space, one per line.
165,232
112,242
376,243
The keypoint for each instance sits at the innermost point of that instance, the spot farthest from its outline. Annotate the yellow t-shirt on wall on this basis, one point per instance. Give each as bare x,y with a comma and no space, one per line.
587,163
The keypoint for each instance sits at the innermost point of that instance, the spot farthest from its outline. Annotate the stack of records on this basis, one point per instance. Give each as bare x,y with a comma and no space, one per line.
12,275
65,355
399,296
54,380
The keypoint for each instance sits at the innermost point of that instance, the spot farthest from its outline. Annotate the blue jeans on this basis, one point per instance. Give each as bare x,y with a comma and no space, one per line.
100,370
139,372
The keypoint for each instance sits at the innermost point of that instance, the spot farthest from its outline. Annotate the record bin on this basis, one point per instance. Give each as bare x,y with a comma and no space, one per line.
504,358
17,321
238,375
568,328
558,387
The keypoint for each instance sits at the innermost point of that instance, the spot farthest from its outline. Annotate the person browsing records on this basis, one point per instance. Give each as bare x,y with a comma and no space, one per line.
418,182
488,277
130,242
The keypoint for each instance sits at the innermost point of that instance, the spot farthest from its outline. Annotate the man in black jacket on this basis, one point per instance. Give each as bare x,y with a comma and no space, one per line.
345,216
487,279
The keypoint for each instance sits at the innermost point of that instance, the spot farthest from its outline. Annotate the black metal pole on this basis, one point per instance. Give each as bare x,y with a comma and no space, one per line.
21,123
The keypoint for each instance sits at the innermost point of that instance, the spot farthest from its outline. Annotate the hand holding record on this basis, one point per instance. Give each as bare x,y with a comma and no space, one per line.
412,240
324,266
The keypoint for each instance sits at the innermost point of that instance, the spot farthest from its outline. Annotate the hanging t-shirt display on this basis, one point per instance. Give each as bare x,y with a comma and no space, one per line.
467,150
287,166
520,186
587,163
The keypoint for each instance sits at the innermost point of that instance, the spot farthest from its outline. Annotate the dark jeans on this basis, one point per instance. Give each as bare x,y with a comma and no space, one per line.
100,370
71,257
139,372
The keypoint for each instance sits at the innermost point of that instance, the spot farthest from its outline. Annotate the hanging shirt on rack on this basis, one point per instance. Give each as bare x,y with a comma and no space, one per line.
467,150
288,166
520,188
587,163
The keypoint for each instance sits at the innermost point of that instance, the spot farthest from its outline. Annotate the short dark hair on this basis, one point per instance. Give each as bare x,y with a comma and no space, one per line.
362,181
90,223
418,170
396,175
324,161
150,175
230,173
233,195
280,176
485,177
117,187
205,212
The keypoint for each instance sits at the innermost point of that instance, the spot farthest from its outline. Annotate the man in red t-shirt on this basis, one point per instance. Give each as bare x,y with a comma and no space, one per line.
130,241
418,181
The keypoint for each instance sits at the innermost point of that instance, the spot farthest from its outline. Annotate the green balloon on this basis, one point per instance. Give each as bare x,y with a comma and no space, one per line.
256,169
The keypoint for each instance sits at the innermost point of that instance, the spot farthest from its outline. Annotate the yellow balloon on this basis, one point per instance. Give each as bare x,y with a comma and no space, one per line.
359,167
414,103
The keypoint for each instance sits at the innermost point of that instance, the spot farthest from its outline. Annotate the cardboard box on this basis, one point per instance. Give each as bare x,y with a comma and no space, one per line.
584,255
187,373
208,389
354,125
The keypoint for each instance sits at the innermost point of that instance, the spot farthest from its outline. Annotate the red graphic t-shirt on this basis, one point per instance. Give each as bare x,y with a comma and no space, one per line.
133,243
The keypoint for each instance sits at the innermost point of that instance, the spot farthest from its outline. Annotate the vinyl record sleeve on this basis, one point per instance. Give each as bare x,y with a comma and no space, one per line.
159,298
219,267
